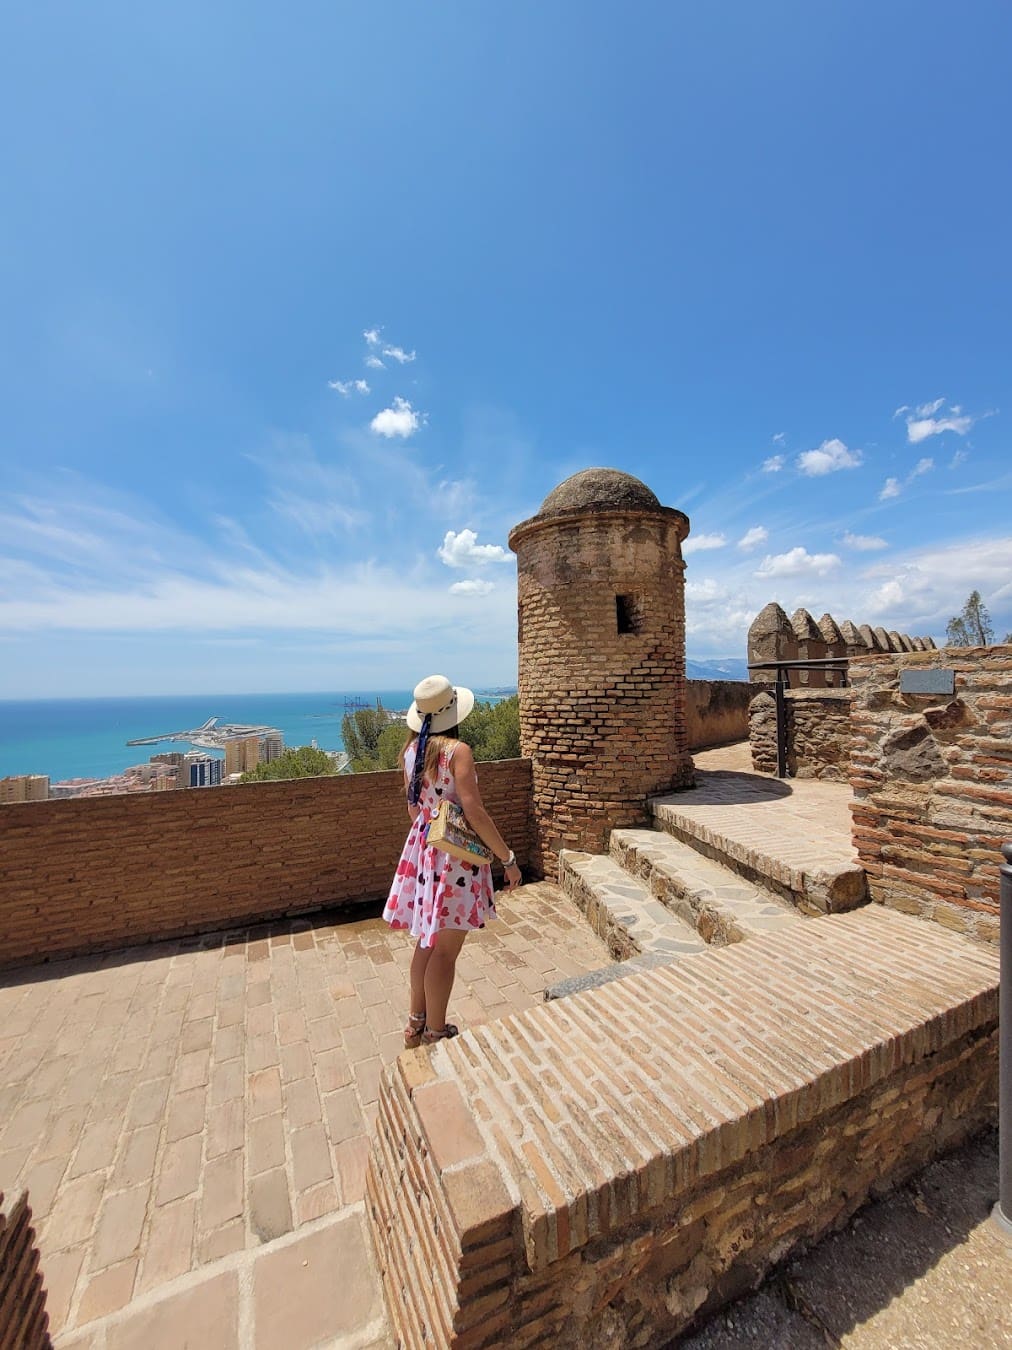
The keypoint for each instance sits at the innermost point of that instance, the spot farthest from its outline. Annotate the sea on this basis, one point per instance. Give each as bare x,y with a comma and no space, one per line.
87,737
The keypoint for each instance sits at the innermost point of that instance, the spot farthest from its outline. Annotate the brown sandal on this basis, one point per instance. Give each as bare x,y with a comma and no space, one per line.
414,1030
429,1037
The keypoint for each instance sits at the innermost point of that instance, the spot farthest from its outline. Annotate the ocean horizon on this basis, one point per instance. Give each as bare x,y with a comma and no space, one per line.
86,737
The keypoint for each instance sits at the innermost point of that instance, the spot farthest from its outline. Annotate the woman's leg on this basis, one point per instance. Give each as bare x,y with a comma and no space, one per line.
439,972
419,962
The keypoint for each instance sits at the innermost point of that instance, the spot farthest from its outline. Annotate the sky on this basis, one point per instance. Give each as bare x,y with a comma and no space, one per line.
304,307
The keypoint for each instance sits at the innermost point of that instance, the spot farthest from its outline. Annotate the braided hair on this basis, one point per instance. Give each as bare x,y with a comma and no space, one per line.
418,768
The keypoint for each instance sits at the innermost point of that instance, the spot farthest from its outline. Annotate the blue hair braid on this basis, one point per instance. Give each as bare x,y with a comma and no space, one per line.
418,768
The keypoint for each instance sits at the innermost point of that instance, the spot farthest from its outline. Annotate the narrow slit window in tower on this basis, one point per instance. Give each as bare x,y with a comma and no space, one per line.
627,613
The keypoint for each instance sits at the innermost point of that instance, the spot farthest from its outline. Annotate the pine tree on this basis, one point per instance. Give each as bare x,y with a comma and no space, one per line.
971,628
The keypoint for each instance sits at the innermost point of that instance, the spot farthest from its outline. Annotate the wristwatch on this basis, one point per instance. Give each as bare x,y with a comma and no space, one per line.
511,861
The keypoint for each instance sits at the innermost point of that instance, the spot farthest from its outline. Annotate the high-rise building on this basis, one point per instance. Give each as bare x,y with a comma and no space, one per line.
24,787
271,746
172,757
201,770
242,754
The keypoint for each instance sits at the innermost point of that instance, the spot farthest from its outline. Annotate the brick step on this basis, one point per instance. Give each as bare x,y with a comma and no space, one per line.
715,901
622,912
810,871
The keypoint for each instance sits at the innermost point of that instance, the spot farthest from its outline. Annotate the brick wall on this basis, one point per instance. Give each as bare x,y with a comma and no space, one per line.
603,1169
932,778
23,1319
96,873
601,671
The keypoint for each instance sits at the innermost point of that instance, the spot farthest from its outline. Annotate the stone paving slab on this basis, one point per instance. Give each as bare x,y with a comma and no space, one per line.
794,834
719,905
180,1105
621,909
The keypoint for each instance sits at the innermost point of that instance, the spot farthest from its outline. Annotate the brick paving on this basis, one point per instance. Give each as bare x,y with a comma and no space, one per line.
805,821
172,1109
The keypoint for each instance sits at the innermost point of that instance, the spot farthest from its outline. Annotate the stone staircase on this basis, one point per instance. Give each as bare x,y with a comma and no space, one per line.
669,893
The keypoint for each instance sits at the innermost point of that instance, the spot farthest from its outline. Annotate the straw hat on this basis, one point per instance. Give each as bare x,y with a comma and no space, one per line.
448,705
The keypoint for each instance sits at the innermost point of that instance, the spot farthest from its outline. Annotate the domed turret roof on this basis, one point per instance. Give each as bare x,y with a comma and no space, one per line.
600,488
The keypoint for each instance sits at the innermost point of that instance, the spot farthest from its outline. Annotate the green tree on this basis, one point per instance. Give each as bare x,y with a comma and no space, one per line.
972,627
304,762
391,743
493,730
361,731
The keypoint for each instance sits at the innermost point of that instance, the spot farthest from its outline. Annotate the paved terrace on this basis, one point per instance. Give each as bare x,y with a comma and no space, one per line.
191,1121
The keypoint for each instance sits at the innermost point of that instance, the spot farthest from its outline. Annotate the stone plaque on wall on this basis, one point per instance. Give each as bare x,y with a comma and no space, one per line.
927,681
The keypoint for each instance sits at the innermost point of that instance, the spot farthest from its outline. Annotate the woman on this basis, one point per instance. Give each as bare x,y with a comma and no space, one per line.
438,899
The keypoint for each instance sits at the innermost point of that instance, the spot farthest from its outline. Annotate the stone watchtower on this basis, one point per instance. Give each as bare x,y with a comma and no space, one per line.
601,598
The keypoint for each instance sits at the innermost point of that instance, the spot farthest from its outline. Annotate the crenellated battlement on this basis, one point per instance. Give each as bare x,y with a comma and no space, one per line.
776,638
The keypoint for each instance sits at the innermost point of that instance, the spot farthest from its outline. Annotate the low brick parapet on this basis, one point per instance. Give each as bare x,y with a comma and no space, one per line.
613,1164
24,1323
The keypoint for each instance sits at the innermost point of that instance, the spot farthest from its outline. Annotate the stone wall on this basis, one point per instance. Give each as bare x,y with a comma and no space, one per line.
601,1170
818,733
932,779
774,637
104,872
716,712
24,1322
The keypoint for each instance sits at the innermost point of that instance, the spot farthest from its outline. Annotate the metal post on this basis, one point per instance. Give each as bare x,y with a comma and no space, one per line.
781,703
1001,1215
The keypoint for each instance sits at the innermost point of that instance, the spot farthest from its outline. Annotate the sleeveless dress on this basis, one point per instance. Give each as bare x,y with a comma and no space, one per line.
431,890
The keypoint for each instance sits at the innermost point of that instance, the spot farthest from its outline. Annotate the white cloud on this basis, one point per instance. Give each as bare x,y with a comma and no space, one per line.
699,543
921,591
893,487
348,387
929,409
463,550
922,422
774,464
400,420
960,457
374,363
472,587
864,543
828,458
888,597
372,336
758,534
798,562
779,438
398,354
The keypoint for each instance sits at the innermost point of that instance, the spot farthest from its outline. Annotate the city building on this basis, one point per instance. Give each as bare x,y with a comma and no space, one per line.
271,746
24,787
242,754
201,770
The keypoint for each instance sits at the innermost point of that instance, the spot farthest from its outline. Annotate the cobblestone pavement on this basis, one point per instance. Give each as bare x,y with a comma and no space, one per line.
180,1105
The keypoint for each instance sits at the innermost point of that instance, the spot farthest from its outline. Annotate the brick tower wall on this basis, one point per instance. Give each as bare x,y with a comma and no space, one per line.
602,672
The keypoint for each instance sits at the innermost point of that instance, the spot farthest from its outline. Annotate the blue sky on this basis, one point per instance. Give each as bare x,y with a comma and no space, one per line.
304,307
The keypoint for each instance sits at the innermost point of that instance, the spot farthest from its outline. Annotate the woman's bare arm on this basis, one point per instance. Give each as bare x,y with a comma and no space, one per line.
466,782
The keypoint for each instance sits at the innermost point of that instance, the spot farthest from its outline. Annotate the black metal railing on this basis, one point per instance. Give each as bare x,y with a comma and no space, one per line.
1002,1212
783,683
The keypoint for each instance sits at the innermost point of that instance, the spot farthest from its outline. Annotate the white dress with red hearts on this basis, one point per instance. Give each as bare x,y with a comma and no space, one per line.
431,890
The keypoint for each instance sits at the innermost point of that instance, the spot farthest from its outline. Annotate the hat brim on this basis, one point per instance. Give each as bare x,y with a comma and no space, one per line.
461,707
